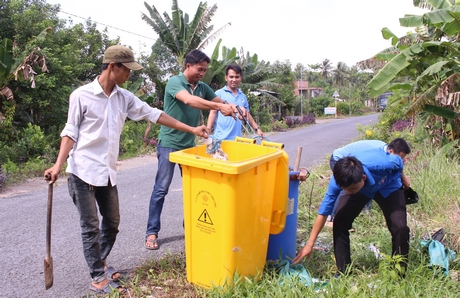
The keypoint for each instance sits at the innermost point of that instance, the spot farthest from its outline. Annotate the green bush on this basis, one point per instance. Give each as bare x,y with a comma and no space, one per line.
132,138
317,104
276,125
384,129
34,140
10,167
352,107
32,143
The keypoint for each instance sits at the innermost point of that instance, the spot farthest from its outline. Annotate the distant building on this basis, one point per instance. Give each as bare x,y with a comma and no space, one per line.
301,88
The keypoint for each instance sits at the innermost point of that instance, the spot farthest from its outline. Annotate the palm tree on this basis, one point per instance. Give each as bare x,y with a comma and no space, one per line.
340,74
325,68
178,34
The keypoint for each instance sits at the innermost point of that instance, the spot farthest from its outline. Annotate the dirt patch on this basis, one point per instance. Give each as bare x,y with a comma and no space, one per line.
39,183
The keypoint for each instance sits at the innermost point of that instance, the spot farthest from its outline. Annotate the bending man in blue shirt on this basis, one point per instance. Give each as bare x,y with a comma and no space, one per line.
226,128
398,146
370,174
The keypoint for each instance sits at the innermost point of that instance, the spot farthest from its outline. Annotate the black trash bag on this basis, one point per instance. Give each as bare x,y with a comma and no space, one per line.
411,196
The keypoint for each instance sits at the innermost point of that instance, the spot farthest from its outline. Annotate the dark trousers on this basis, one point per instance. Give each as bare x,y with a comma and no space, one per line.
98,238
349,207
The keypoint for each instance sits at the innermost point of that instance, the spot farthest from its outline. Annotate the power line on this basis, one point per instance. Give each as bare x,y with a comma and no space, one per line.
133,33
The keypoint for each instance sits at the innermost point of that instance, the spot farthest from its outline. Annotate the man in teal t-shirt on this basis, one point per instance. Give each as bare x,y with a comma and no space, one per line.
172,138
185,96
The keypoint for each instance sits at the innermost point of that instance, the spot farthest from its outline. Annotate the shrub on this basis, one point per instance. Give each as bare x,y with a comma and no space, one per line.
401,124
33,140
132,137
3,178
318,104
352,107
292,121
392,124
309,119
276,125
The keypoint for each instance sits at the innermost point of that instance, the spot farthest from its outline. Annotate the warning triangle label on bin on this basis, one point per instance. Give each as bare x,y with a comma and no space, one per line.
205,218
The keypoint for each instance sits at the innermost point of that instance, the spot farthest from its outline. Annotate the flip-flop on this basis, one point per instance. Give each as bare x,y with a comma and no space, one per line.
110,287
154,242
110,272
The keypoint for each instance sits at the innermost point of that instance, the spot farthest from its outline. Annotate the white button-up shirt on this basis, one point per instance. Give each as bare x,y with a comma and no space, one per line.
95,122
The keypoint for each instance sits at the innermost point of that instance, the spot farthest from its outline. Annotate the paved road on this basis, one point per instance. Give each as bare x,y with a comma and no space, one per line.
23,218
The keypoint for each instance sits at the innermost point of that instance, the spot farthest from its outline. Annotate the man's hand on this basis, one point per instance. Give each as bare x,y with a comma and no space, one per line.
308,248
242,113
52,173
405,181
304,252
228,109
260,133
201,131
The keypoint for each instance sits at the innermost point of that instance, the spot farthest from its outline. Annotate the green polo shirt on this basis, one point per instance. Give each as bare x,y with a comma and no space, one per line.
173,138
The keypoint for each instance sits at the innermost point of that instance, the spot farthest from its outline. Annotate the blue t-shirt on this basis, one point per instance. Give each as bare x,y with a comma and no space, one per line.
383,174
227,128
357,146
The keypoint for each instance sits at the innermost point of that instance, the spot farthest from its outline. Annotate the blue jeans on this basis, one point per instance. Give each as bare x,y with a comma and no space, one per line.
97,242
163,180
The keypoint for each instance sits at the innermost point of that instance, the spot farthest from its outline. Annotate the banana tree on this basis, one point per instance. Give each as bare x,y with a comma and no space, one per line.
6,64
17,69
424,65
215,75
178,34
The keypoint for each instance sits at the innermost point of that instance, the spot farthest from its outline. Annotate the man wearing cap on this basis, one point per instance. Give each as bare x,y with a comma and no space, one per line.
90,144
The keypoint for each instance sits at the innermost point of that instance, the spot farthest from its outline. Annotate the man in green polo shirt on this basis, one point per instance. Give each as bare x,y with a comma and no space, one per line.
184,97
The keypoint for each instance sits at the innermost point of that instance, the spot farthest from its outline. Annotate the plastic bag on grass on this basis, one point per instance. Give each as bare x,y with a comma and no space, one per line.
289,272
439,255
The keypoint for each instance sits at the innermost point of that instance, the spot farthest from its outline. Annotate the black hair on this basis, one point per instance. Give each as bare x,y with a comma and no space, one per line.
236,68
347,171
399,145
105,65
196,56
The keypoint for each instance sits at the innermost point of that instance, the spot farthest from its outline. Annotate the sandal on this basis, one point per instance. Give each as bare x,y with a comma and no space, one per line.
110,287
153,241
111,272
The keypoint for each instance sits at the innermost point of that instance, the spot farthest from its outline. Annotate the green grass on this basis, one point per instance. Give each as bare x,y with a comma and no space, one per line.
436,180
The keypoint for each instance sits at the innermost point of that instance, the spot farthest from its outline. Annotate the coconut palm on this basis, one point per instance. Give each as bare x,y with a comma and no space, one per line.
340,74
325,68
178,34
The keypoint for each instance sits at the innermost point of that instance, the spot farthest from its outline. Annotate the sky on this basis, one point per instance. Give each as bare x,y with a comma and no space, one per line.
301,31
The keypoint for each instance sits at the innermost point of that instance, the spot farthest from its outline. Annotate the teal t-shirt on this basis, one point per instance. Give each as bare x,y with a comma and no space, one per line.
177,139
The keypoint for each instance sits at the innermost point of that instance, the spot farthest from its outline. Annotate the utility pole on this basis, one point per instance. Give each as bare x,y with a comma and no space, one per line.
335,96
300,92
